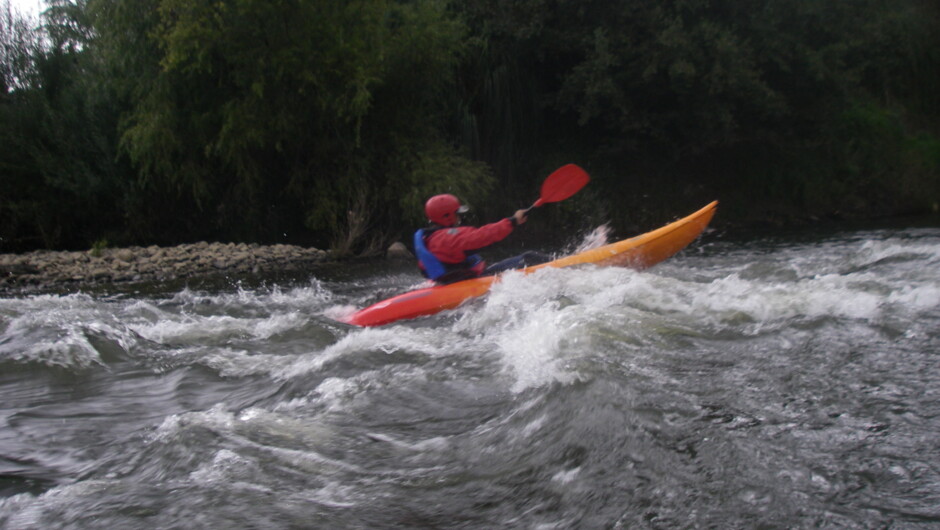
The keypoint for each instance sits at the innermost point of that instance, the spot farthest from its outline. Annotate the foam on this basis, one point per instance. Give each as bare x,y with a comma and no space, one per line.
199,329
388,340
533,321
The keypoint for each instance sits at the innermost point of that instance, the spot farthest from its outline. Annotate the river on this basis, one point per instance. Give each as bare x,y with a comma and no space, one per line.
773,382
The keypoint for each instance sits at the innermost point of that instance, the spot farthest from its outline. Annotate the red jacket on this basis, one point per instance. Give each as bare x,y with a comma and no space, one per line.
451,245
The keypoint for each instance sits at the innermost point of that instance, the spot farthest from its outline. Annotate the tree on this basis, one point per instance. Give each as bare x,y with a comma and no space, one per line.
277,116
57,166
691,99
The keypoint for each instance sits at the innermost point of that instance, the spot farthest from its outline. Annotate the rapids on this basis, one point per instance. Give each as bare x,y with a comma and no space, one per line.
767,382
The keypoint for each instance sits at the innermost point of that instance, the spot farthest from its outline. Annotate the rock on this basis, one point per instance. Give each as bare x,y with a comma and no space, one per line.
398,251
18,269
49,269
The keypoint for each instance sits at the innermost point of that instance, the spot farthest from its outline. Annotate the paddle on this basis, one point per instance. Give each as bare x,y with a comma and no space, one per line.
561,184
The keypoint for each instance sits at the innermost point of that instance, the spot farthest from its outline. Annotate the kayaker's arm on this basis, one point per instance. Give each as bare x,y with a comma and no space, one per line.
450,245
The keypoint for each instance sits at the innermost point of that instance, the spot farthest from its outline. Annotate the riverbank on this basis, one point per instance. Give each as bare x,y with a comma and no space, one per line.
47,270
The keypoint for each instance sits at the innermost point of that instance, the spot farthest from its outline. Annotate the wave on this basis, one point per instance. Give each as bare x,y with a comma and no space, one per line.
721,366
535,324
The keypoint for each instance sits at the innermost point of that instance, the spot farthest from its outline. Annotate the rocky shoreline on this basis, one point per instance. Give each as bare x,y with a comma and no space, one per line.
47,270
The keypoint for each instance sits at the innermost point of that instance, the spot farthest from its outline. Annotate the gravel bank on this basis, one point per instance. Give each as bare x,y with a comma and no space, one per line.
56,269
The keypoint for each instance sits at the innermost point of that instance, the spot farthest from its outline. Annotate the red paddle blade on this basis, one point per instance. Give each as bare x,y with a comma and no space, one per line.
563,183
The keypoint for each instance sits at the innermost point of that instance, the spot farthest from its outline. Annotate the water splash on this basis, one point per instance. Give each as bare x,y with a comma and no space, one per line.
598,237
788,384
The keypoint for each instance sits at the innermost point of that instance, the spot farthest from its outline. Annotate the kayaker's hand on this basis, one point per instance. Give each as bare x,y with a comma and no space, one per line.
519,217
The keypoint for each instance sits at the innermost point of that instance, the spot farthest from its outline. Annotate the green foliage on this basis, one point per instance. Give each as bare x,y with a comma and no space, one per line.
98,247
687,100
313,106
885,166
330,123
58,161
443,171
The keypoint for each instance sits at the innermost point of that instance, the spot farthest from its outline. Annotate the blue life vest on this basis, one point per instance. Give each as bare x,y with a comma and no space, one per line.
434,268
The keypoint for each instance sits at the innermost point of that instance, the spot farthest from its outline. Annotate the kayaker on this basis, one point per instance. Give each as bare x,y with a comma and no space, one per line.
446,251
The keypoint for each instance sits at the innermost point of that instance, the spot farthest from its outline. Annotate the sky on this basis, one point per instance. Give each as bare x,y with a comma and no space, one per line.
31,7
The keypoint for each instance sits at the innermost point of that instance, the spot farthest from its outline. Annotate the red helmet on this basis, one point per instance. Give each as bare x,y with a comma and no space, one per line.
443,209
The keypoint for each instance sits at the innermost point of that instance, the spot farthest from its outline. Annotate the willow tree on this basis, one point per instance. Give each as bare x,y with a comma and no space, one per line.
271,116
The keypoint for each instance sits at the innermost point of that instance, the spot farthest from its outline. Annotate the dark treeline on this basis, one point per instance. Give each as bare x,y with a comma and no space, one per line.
328,123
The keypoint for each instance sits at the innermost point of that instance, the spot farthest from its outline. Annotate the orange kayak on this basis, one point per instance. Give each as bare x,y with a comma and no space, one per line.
638,252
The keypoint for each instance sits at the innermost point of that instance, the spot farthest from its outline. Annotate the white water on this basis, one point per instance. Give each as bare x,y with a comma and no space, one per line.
766,383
